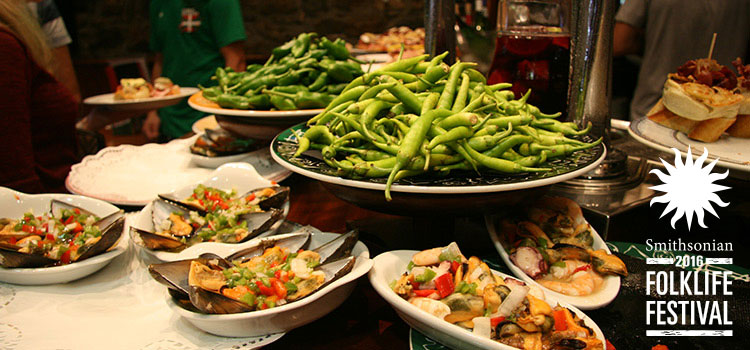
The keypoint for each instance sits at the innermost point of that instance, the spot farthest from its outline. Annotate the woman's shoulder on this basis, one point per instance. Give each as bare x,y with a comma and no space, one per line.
10,45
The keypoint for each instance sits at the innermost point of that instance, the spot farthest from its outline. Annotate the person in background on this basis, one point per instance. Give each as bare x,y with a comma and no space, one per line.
671,32
58,39
191,39
38,112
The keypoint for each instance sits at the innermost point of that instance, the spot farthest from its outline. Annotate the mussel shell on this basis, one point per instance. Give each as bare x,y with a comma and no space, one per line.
158,242
293,242
174,274
179,204
57,206
113,226
214,303
277,200
571,252
10,257
338,248
569,344
259,222
161,209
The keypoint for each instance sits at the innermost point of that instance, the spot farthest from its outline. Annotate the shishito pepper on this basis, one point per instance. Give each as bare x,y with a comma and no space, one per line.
304,99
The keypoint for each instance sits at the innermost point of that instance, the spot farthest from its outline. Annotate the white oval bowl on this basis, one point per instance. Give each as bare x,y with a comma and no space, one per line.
241,177
14,204
601,298
289,316
389,266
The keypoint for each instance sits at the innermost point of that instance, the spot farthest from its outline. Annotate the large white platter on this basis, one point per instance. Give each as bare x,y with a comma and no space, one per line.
732,152
240,177
14,204
195,102
289,316
285,143
108,100
601,298
134,175
387,267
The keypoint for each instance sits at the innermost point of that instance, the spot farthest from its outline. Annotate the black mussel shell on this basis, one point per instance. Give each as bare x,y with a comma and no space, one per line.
11,258
158,242
214,303
259,222
56,207
338,248
293,243
110,236
277,200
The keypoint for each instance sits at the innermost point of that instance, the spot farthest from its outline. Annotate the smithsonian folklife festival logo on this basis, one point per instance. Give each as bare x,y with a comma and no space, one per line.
689,190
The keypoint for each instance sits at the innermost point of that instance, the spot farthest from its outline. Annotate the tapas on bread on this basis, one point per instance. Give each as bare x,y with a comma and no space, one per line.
137,88
702,100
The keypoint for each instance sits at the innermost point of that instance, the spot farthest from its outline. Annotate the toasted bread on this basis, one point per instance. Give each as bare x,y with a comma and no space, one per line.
708,130
741,127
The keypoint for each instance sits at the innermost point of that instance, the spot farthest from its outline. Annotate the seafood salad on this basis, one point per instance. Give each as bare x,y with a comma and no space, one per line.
62,236
212,215
276,272
554,247
465,292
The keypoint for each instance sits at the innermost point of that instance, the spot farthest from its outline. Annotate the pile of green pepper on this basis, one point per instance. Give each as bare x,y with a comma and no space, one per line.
415,116
306,72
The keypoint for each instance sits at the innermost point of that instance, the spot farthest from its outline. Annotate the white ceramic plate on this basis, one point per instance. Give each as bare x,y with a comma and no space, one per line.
14,204
289,316
252,113
134,175
108,100
732,152
601,298
241,177
208,122
285,144
387,267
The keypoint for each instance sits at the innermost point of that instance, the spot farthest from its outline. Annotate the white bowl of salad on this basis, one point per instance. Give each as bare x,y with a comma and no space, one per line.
19,206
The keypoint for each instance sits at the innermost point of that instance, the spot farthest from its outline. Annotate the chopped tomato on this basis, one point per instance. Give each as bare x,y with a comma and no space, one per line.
444,285
49,237
250,197
560,320
278,287
77,211
582,268
454,266
496,321
65,258
424,292
68,220
78,227
27,228
263,289
277,274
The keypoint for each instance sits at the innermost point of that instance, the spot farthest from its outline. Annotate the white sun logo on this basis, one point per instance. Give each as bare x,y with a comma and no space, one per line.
689,188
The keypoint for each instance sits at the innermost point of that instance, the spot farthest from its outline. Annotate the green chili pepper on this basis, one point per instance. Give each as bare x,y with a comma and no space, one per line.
319,82
282,103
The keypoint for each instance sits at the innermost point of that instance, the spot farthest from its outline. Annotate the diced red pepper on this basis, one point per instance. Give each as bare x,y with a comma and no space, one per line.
444,285
263,289
49,237
65,258
582,268
273,182
496,321
39,244
68,220
277,274
13,240
27,228
424,292
77,211
560,320
454,266
278,287
78,227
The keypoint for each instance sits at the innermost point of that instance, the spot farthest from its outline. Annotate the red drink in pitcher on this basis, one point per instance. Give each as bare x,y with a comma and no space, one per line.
532,58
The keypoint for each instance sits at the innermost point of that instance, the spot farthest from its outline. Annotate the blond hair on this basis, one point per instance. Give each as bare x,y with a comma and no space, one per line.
16,17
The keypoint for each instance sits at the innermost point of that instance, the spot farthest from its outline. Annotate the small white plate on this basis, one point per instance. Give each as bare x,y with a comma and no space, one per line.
208,122
149,103
389,266
193,102
14,204
241,177
289,316
732,152
601,298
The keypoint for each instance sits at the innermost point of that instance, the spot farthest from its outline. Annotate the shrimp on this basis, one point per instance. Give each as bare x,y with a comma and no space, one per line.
567,281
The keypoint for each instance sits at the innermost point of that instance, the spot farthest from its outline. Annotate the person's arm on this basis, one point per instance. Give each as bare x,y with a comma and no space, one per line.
152,122
65,72
626,40
234,56
17,171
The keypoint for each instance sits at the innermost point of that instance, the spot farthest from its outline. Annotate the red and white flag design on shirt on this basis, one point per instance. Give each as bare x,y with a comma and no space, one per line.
190,20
